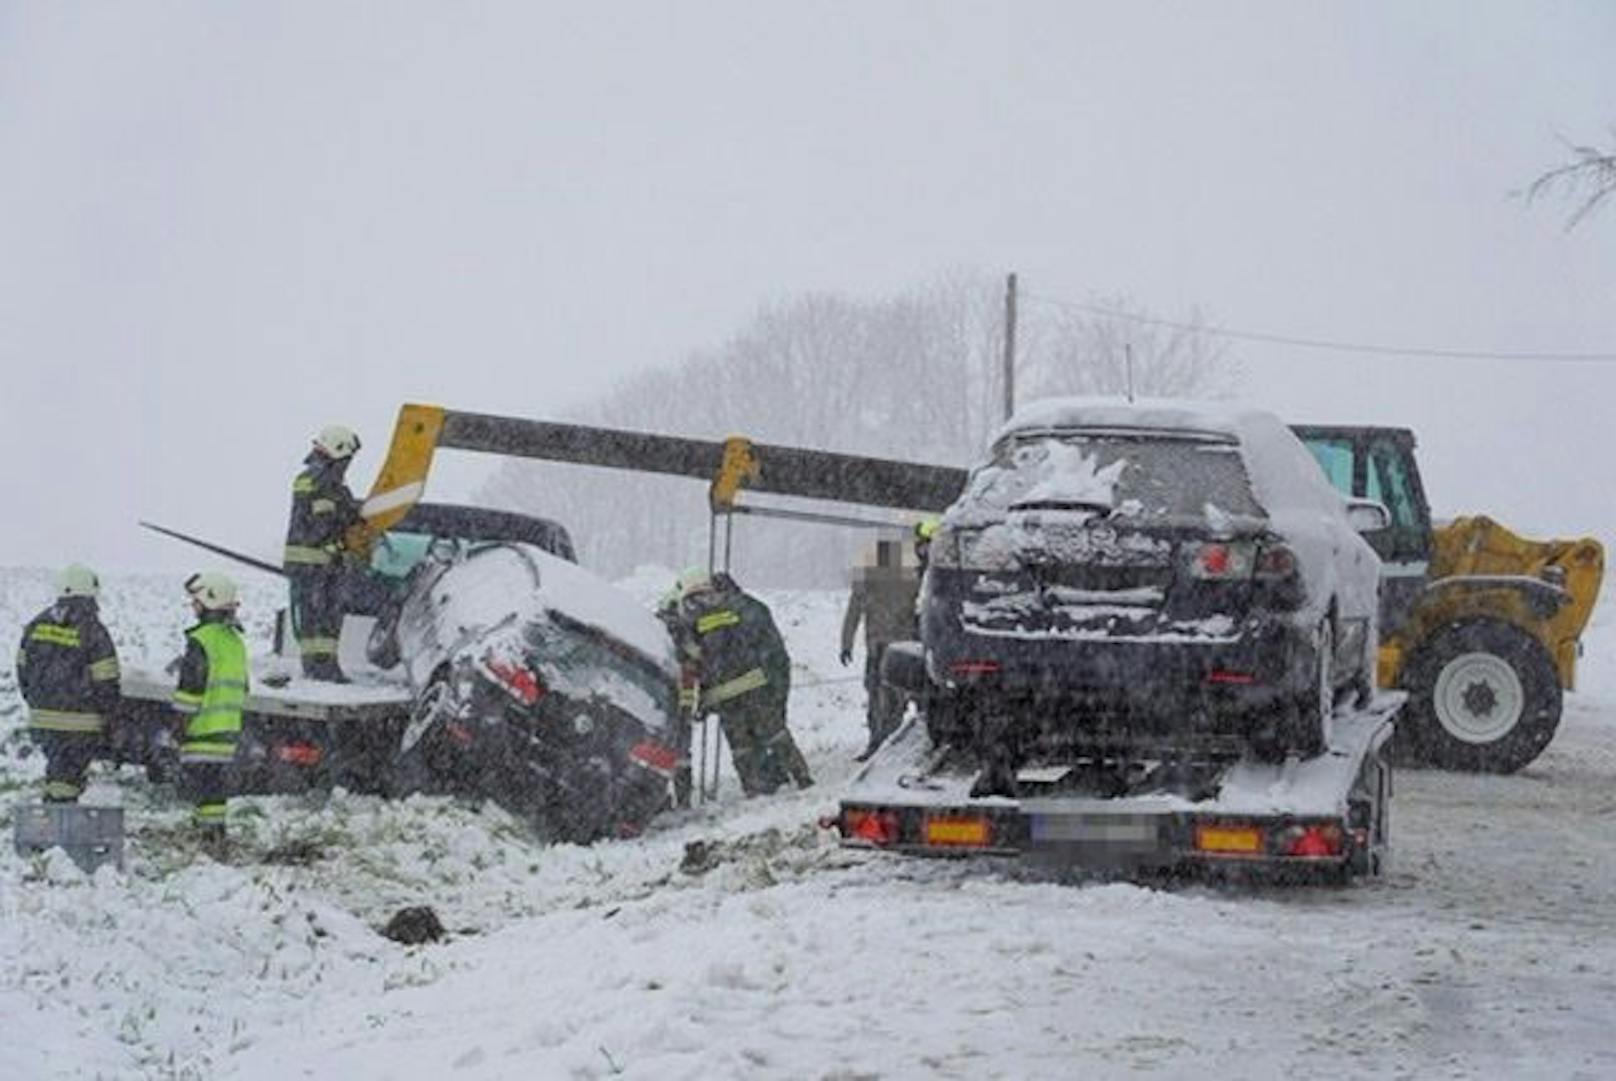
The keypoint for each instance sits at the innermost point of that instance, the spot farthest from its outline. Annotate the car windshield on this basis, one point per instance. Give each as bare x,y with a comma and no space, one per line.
1136,476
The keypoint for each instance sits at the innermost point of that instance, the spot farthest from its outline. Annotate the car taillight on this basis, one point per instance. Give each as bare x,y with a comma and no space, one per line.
1275,561
974,668
521,683
655,757
876,827
1223,561
1312,842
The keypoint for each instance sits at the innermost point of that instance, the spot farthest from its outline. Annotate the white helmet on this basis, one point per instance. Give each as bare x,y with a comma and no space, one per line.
693,581
336,441
213,591
77,580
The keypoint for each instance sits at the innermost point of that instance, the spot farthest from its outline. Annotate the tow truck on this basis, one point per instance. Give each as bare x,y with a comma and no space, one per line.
1174,807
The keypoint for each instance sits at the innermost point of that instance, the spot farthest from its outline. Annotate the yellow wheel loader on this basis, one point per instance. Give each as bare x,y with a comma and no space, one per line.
1482,627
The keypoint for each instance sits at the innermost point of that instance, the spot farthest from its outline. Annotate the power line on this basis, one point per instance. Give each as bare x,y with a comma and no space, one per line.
1320,343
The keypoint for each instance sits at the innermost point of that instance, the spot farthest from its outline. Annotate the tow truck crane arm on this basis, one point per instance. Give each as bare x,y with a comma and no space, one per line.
730,465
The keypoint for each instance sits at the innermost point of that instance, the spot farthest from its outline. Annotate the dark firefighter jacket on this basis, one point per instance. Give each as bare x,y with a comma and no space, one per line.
322,511
212,686
67,668
739,649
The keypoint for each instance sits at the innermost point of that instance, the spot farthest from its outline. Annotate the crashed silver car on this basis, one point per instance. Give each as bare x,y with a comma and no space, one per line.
536,683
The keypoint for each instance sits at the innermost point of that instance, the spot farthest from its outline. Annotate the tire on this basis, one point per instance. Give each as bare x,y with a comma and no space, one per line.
1484,697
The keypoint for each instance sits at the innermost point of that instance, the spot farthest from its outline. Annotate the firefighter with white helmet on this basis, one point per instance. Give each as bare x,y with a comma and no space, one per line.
67,670
323,512
209,699
728,640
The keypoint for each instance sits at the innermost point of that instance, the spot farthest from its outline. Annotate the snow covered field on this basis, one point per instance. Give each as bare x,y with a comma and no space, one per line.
1489,950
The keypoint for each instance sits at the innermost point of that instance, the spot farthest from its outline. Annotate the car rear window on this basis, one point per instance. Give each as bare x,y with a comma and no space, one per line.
1136,476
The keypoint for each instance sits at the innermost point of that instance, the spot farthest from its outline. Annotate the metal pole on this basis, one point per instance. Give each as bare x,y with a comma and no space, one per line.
1127,351
1010,347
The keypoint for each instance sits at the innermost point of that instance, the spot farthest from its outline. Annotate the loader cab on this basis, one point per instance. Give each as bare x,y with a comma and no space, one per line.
1378,464
433,530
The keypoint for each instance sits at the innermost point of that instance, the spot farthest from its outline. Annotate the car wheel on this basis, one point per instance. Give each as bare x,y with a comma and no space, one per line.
1483,697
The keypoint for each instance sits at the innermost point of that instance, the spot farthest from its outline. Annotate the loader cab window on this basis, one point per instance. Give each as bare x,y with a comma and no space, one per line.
397,553
1335,458
1390,481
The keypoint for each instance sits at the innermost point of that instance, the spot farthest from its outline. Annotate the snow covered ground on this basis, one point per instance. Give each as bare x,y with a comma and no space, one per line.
1489,950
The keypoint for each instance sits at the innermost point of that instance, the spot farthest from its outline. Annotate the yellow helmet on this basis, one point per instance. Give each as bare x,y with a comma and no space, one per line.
926,529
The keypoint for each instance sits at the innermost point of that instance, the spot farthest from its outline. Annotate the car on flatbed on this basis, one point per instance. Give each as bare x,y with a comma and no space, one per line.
1128,575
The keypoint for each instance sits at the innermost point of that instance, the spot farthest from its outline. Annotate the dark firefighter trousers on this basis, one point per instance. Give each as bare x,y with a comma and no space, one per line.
207,780
765,755
67,760
317,603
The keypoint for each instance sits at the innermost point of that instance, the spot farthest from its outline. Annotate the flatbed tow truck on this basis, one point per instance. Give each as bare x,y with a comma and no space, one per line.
1218,808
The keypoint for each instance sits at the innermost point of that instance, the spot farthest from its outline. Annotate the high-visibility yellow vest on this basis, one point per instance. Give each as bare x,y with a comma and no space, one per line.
217,711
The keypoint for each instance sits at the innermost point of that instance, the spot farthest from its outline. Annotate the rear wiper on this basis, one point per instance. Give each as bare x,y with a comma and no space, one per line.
1063,504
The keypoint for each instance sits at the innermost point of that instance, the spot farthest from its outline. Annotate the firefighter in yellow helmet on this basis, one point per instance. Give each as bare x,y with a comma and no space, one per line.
67,671
209,700
323,510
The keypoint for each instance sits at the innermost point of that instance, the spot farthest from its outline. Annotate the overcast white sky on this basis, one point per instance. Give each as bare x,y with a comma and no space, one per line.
222,226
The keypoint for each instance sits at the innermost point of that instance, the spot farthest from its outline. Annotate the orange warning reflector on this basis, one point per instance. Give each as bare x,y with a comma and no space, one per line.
1233,840
957,831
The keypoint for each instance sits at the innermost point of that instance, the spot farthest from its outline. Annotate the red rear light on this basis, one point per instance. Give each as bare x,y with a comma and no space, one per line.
522,684
1312,842
876,827
459,733
1223,560
655,757
1224,675
974,668
299,754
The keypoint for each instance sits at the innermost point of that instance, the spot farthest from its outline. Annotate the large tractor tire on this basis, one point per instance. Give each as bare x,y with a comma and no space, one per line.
1483,697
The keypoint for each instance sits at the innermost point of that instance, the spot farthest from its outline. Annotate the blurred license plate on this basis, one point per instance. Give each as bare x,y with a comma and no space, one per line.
1096,829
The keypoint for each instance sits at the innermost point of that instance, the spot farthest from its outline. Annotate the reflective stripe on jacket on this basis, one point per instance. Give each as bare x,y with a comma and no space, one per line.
67,668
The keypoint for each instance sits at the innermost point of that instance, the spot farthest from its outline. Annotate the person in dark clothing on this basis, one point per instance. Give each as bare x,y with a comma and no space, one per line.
323,511
882,597
67,670
208,702
731,640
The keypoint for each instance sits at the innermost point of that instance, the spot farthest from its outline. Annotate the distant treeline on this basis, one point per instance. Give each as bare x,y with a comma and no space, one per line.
915,377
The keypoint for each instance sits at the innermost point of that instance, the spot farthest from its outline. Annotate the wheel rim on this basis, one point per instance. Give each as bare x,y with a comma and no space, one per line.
1478,698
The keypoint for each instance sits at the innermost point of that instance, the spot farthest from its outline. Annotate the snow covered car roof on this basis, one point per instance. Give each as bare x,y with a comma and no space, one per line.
1283,472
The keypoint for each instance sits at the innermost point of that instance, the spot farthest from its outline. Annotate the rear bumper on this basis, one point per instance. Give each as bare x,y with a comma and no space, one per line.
1264,661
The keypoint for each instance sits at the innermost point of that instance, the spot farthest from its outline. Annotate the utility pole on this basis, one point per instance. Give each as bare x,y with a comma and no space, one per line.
1127,350
1010,347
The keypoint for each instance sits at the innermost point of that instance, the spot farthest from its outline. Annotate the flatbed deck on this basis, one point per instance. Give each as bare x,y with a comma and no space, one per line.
916,798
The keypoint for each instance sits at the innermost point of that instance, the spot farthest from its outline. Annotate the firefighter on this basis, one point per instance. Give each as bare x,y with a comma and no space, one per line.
883,597
745,678
208,701
323,511
67,670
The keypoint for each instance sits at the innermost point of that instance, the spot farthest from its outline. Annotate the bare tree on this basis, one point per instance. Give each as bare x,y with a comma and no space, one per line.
913,376
1589,178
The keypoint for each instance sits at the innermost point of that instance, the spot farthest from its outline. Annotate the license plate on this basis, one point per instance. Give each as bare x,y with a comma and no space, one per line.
1133,830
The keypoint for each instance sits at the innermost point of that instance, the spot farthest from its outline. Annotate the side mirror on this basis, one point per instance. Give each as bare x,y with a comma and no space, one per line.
1368,516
